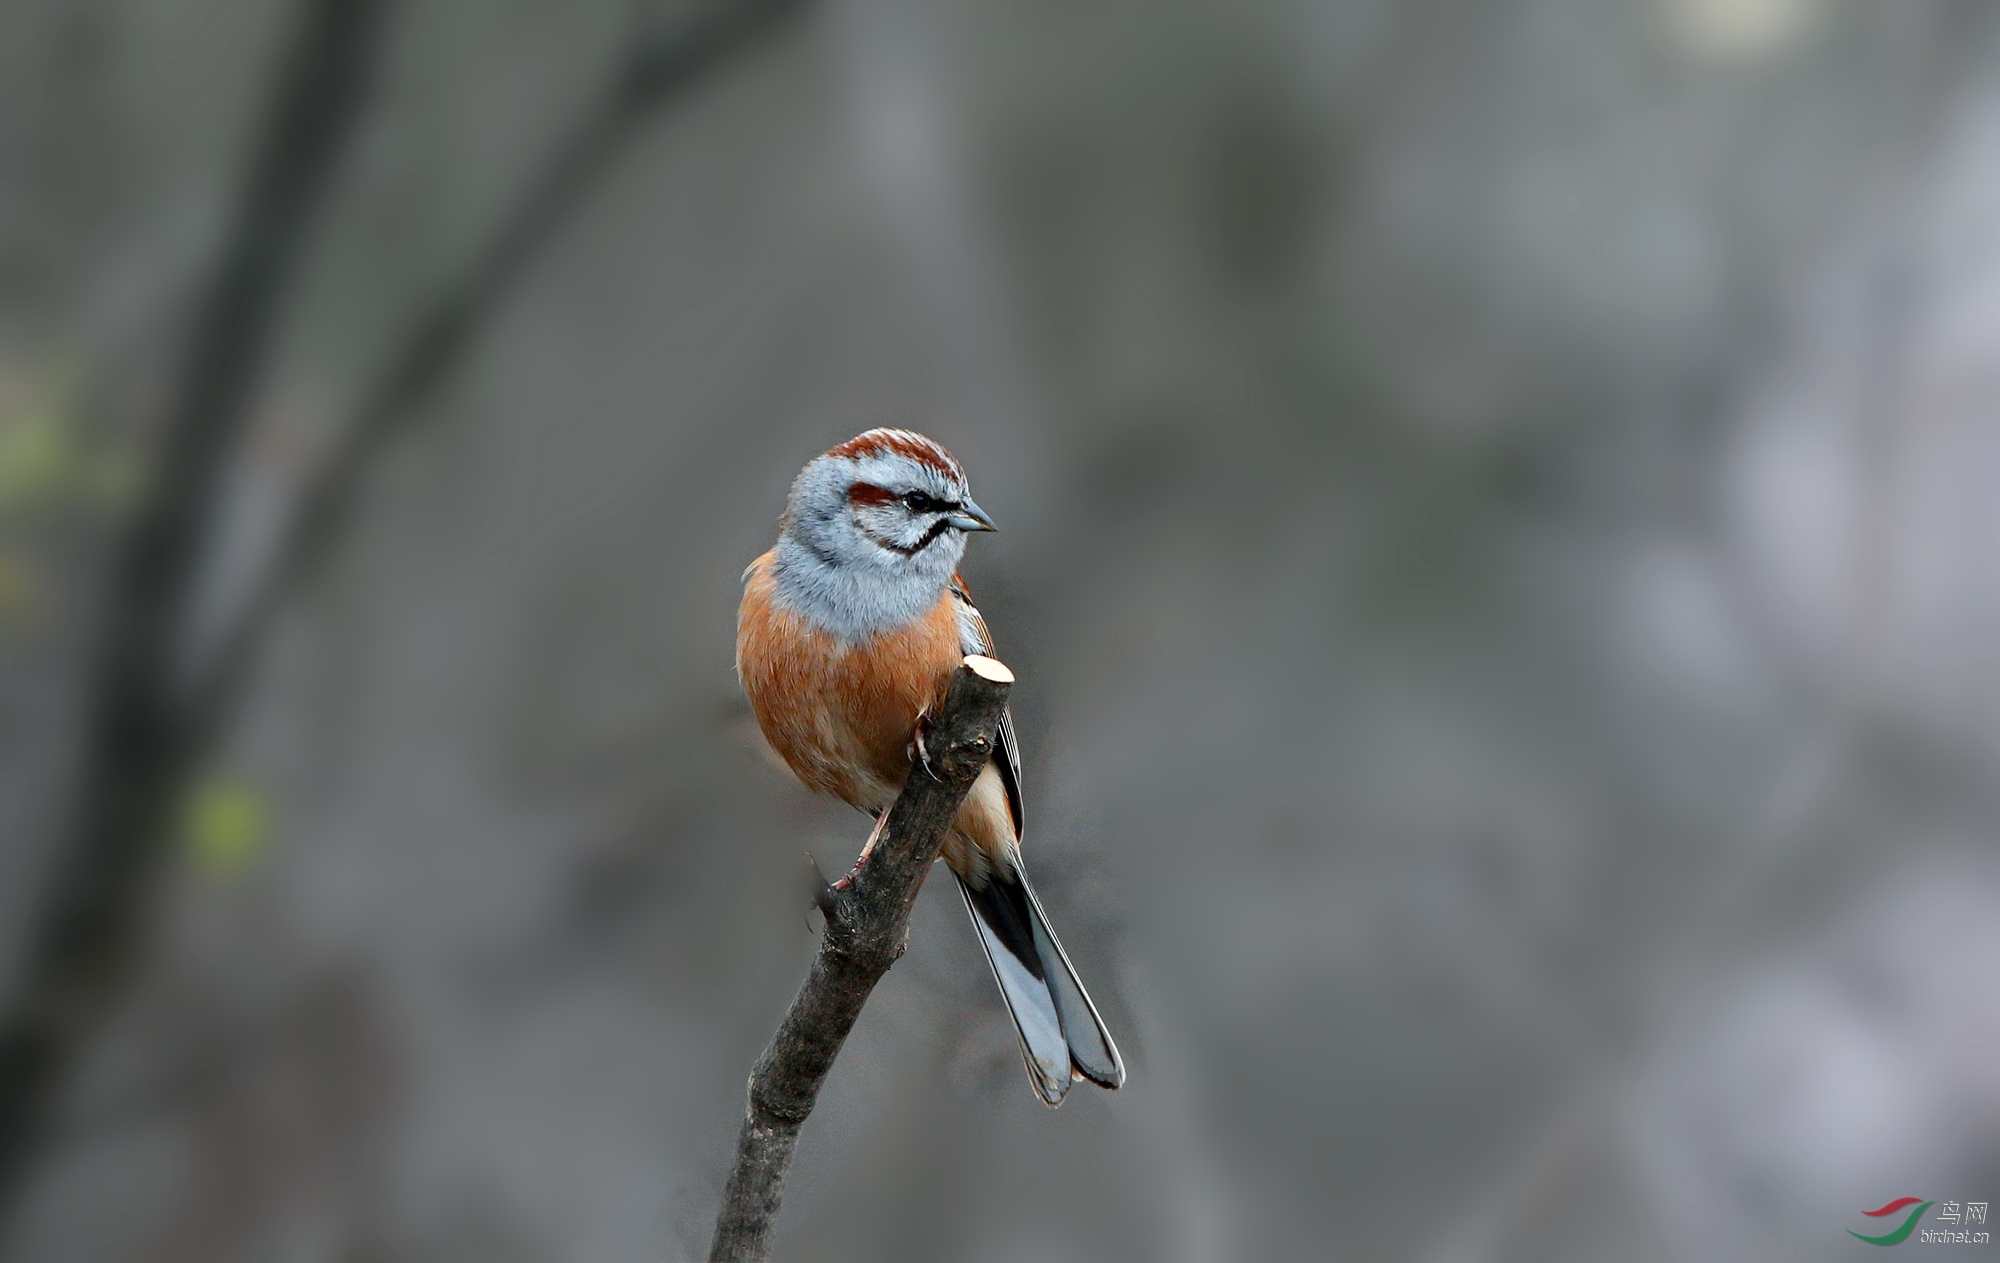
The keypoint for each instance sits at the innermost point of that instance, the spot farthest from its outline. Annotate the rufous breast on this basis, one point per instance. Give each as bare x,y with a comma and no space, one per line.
841,715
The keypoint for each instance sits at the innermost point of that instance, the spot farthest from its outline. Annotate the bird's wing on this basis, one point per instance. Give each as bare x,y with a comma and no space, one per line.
973,637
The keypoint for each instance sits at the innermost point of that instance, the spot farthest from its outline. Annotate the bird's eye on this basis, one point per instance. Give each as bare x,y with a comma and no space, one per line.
918,502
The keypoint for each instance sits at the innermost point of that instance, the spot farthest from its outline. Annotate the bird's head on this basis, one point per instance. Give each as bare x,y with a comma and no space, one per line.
888,500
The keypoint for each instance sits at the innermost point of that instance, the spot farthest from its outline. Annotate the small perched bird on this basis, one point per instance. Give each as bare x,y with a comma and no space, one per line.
849,632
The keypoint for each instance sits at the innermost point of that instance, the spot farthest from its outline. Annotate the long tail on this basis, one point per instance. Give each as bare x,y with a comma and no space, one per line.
1062,1037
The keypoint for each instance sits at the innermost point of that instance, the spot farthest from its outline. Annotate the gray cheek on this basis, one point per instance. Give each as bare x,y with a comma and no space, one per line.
900,528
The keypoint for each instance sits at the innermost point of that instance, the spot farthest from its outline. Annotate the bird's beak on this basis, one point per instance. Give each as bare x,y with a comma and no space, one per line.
970,517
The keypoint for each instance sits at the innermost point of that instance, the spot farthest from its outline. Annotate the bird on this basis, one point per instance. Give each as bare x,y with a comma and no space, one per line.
848,634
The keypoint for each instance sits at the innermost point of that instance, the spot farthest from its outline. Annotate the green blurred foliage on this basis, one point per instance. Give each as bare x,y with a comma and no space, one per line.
226,828
48,458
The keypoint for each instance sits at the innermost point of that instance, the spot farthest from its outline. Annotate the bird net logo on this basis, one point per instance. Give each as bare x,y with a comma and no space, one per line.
1967,1219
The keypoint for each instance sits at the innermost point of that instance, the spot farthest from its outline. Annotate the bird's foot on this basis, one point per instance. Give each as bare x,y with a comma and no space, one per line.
918,753
852,873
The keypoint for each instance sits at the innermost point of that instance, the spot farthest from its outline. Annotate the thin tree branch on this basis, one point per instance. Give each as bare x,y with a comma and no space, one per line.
657,71
135,750
867,925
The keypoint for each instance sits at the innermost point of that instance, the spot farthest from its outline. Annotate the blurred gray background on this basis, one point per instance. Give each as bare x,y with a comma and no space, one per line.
1498,539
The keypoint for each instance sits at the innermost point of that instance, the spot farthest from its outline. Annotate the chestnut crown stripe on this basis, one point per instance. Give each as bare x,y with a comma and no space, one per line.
901,443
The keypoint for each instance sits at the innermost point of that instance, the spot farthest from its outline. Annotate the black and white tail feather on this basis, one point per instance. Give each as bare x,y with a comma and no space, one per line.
1062,1037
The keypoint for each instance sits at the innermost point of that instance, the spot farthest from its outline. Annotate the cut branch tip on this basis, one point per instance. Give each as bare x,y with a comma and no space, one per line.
990,669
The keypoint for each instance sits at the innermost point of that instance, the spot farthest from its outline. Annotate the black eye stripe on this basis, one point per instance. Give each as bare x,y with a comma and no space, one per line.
924,541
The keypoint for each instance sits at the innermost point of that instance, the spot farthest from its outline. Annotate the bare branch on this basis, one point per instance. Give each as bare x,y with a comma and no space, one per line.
819,887
867,925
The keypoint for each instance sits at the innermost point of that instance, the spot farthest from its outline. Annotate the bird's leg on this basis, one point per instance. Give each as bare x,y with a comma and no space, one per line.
881,819
917,755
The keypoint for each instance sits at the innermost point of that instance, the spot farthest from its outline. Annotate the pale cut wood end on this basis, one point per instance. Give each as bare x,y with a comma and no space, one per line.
989,668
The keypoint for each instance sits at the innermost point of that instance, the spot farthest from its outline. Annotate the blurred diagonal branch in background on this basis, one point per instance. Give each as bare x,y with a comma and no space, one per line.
867,924
655,72
135,750
144,733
